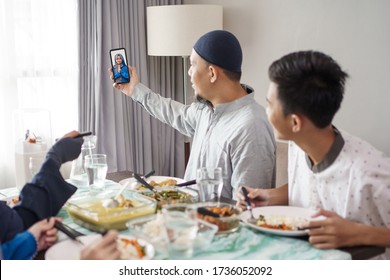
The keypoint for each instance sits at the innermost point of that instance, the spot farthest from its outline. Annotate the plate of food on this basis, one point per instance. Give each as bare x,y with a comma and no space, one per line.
131,248
155,181
280,220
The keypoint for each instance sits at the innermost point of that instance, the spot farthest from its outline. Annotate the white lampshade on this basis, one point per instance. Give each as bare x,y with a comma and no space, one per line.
173,30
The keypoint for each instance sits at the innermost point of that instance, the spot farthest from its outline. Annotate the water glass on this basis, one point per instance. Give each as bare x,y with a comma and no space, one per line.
181,229
209,182
96,166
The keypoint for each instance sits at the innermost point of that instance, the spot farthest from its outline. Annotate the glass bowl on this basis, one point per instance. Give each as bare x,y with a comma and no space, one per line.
152,229
87,210
229,220
205,235
172,195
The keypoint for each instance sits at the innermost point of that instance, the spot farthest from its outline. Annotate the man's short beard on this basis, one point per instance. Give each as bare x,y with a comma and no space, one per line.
203,101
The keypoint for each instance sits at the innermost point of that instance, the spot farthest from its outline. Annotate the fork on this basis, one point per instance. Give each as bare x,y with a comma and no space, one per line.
251,219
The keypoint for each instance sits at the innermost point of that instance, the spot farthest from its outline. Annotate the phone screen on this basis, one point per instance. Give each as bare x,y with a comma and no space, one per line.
119,66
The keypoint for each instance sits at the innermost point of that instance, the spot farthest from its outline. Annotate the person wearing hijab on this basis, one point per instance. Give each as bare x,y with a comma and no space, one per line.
120,70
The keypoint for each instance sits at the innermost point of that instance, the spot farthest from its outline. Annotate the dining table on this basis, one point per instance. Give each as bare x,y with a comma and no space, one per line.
244,243
355,252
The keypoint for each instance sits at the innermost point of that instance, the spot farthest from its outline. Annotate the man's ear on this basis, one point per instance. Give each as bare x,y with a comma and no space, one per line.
213,72
296,123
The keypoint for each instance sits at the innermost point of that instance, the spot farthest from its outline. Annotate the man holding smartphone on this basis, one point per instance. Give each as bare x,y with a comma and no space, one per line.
229,129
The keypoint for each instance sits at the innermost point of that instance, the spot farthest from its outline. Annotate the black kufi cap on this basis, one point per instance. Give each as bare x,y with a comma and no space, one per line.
221,48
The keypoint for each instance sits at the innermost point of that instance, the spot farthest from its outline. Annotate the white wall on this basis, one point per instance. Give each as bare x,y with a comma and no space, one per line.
356,33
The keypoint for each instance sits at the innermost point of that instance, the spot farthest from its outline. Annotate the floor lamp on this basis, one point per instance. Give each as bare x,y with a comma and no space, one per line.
172,31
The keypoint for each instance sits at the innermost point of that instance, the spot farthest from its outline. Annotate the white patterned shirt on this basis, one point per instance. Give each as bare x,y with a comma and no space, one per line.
354,182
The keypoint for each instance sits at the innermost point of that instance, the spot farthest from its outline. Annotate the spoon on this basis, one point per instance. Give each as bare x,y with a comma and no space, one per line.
251,219
114,202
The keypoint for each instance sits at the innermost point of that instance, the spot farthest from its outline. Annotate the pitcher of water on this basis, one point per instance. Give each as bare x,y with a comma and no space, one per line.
78,173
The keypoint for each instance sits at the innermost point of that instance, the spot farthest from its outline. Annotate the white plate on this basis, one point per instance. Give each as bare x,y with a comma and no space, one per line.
70,250
134,183
286,211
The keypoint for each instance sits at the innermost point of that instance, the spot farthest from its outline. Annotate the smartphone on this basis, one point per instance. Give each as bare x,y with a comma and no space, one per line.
119,66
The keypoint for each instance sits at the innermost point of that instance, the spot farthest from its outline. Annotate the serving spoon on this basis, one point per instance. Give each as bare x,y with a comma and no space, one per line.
148,174
143,182
188,183
205,212
114,202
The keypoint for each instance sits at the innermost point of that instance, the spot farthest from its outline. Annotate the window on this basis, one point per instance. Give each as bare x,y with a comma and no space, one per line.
38,69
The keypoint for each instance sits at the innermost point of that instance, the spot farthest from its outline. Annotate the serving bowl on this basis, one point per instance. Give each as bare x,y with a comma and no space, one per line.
88,211
171,195
228,219
152,228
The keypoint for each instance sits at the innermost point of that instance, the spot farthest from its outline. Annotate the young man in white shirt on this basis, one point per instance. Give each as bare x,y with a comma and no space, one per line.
328,169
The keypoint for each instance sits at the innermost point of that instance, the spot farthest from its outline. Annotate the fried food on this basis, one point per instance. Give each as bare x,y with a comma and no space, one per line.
228,217
165,183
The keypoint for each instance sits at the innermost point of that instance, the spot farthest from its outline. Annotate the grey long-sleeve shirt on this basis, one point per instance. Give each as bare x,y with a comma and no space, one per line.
235,136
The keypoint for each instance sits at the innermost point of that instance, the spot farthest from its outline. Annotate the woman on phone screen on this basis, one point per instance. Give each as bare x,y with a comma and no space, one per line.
121,72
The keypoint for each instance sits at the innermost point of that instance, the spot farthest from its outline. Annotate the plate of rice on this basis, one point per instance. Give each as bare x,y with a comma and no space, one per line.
133,248
280,220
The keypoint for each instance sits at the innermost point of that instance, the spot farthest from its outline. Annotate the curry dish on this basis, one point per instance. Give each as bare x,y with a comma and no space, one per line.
92,214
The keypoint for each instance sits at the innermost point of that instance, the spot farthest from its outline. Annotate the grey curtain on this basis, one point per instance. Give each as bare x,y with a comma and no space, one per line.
128,135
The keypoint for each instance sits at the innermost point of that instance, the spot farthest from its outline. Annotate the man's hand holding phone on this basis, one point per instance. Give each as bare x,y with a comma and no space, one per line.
127,88
124,76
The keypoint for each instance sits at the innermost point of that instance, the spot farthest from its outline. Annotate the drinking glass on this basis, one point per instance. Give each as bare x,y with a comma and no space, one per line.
96,166
181,229
209,182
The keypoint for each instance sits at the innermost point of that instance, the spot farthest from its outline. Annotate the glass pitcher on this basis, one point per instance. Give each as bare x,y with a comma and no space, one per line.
78,173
